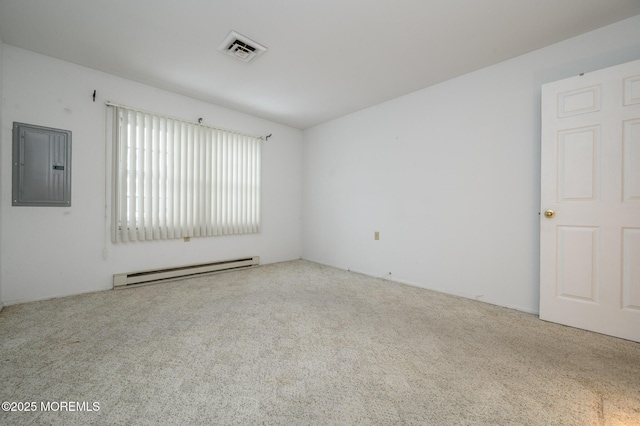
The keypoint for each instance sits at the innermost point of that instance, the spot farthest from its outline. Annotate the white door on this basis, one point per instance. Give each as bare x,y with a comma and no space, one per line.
590,202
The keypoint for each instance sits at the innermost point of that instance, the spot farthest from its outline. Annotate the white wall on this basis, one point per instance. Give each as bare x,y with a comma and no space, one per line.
48,252
449,175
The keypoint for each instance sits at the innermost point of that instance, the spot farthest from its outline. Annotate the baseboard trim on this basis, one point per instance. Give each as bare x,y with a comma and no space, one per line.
427,287
58,296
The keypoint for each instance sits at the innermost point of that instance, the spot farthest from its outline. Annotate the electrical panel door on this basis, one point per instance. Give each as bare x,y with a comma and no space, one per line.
41,166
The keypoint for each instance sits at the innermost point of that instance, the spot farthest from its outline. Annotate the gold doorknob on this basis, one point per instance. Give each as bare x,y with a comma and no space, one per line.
549,213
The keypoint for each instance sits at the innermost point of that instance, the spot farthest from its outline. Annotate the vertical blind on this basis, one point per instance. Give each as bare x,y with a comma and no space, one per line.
175,179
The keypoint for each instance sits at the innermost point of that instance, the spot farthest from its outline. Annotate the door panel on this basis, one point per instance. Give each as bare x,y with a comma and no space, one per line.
579,101
631,160
577,162
578,263
632,90
631,269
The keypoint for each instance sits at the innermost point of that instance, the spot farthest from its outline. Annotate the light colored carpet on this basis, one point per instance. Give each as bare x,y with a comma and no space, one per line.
299,343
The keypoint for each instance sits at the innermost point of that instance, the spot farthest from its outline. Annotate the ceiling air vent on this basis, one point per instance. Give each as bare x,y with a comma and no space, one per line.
241,47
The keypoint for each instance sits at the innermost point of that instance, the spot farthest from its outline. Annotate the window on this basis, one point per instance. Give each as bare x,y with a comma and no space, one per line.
177,179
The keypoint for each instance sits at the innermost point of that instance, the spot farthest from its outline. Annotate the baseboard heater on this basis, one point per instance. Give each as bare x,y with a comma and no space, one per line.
161,275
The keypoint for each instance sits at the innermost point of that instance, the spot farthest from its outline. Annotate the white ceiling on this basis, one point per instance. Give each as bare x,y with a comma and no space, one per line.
326,58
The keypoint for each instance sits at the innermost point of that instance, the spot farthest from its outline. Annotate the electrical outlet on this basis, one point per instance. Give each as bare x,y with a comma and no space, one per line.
376,235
